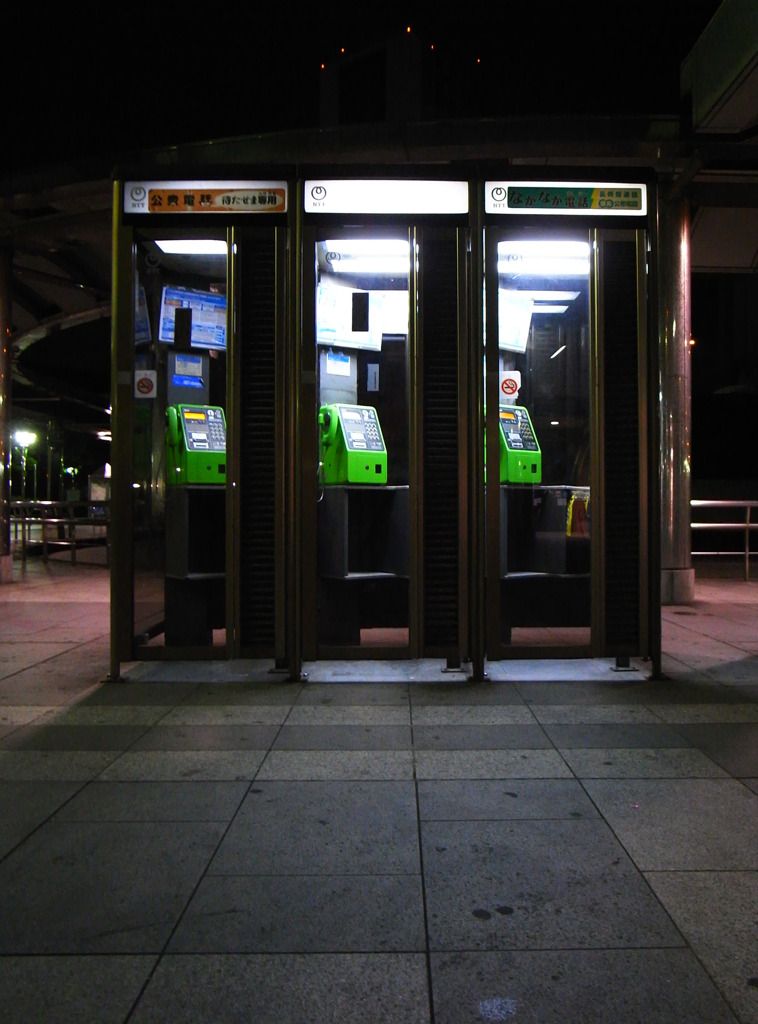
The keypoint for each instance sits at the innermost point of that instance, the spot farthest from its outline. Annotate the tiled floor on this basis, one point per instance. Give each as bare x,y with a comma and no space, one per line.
205,843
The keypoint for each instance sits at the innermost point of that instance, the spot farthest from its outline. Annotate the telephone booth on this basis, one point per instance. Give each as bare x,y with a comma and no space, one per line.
383,416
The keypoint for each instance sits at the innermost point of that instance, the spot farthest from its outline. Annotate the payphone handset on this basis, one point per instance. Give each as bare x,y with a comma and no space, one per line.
520,455
195,444
352,445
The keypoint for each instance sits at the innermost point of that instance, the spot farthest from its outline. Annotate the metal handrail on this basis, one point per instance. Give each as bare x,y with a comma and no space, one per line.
66,517
745,526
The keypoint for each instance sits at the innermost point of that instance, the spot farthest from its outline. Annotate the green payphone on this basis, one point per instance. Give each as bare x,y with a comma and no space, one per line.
520,455
195,444
352,445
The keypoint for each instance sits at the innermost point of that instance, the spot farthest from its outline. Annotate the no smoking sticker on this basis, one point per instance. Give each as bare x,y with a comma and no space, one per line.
145,383
510,382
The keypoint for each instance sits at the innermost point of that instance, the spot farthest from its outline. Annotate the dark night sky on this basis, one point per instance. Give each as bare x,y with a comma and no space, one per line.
85,81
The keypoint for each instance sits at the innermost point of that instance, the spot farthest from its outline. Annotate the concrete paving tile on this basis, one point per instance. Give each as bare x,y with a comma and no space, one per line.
347,988
732,745
610,735
236,692
615,986
95,887
227,714
322,828
389,671
349,714
597,714
743,670
25,805
107,714
472,714
59,682
490,693
639,763
304,913
337,764
54,765
623,689
15,657
479,737
751,784
550,670
207,672
502,799
136,694
183,765
368,693
688,691
50,736
536,885
706,907
707,713
155,801
491,764
64,989
343,737
681,824
206,737
22,714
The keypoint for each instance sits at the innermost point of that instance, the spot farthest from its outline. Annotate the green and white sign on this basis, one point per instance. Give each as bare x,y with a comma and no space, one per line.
562,198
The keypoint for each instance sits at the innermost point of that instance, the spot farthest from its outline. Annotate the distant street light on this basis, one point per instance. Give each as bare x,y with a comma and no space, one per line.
25,439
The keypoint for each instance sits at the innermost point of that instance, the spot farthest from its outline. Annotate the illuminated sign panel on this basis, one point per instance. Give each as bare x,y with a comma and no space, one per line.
566,198
196,197
385,196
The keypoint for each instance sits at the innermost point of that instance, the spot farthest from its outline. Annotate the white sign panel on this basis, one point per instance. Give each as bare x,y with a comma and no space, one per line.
363,195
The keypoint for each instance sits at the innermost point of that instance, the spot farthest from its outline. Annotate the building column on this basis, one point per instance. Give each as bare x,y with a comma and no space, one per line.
677,572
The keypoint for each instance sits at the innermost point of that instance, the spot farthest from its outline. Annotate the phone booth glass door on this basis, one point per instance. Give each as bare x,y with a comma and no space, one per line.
180,442
362,394
542,461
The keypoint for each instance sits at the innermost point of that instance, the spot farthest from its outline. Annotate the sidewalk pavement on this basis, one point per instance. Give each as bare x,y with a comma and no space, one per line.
211,843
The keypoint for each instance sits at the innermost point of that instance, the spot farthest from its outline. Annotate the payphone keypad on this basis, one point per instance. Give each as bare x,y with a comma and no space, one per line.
205,430
361,428
517,430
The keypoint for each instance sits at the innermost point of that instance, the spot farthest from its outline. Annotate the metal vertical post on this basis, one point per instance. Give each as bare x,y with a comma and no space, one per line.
677,574
477,510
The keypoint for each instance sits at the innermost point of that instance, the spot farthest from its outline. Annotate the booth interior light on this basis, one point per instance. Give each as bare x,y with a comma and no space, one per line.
192,246
543,258
368,255
548,295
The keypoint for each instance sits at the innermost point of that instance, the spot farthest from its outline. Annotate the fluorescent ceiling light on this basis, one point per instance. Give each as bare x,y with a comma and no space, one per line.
548,307
368,255
192,246
543,258
549,295
544,249
367,246
557,352
534,266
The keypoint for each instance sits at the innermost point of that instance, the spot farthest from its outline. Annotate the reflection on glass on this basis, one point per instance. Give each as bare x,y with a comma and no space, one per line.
544,437
179,469
363,480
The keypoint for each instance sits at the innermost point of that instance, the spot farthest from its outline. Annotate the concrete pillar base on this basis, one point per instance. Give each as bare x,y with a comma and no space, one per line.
6,569
677,586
